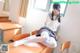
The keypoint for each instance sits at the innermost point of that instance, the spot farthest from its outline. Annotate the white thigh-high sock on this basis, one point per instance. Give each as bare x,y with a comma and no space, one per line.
28,39
52,43
35,39
22,41
19,42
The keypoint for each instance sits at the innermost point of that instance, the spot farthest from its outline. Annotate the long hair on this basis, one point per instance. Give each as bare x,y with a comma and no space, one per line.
58,16
55,6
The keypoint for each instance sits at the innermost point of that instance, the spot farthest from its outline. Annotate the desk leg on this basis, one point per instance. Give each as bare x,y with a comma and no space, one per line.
1,36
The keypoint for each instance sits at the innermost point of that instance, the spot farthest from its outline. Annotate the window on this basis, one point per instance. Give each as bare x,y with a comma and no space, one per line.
63,4
42,4
63,8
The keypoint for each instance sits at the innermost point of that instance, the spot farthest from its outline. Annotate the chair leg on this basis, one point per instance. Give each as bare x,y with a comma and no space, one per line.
66,50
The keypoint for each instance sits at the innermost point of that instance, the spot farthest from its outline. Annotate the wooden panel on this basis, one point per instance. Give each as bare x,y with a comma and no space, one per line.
8,26
8,35
8,30
4,17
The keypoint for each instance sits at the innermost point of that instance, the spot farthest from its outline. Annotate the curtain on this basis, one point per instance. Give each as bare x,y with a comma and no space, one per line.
6,5
23,9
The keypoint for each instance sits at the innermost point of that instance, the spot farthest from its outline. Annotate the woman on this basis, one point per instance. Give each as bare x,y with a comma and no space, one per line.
51,26
53,19
45,35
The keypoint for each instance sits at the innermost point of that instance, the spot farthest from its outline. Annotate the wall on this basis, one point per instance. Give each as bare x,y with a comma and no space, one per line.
34,20
14,8
70,27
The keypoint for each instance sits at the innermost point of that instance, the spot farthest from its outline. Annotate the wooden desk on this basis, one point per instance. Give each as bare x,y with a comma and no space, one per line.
8,30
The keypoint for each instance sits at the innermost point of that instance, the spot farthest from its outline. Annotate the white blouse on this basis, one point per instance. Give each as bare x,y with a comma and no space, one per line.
53,25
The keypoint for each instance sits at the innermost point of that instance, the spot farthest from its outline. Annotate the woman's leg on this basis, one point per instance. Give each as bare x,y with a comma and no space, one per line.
19,42
29,39
50,43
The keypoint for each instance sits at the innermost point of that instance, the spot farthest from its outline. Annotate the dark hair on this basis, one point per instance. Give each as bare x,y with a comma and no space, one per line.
56,6
57,16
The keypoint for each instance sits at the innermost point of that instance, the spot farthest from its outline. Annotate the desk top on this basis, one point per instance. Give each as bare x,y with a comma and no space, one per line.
8,26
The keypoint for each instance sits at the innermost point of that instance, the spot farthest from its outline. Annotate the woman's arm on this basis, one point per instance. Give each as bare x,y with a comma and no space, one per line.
47,19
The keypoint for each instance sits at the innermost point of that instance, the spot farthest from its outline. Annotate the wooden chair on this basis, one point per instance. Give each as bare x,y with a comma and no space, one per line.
65,46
